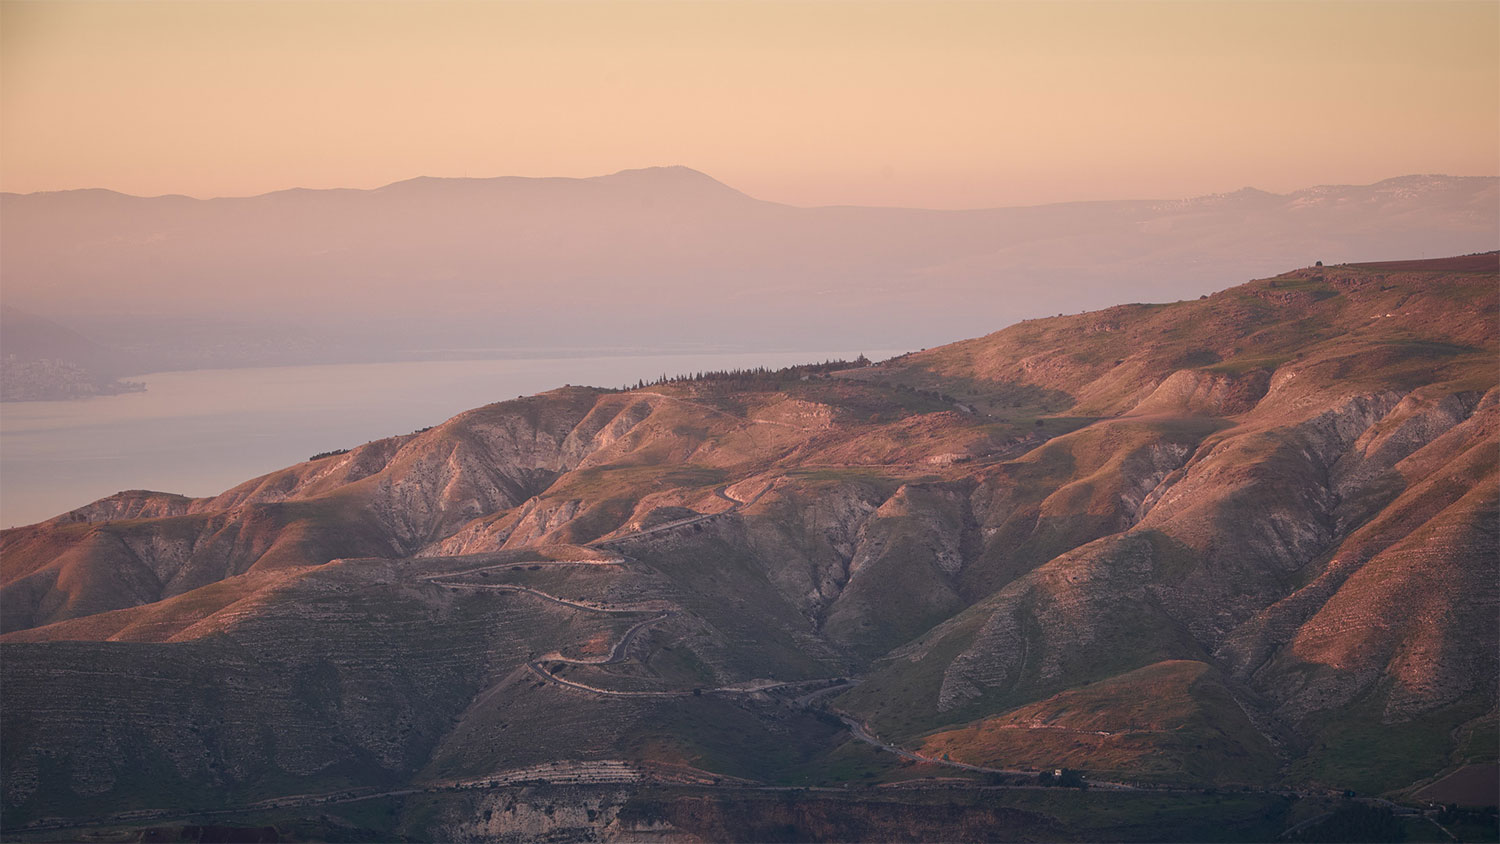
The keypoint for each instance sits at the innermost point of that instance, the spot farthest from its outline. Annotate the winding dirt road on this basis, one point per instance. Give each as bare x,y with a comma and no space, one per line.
735,505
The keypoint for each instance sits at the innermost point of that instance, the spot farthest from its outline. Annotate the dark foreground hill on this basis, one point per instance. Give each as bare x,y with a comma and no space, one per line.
1243,544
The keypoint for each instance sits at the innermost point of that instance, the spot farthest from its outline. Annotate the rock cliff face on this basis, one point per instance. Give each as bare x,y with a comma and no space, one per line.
1244,539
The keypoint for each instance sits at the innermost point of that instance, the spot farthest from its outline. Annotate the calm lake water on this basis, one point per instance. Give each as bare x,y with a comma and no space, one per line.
201,432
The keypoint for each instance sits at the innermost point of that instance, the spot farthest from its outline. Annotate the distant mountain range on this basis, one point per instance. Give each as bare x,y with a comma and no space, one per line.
1221,559
661,258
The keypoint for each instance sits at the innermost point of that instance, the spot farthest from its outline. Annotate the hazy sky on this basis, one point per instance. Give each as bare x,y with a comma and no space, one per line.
907,103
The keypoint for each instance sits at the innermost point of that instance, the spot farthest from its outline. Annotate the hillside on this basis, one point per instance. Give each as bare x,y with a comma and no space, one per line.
1241,541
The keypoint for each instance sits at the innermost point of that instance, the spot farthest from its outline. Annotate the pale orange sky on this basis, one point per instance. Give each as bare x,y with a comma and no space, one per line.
937,104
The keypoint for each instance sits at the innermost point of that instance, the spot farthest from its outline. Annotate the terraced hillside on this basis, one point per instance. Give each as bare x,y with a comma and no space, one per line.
1245,540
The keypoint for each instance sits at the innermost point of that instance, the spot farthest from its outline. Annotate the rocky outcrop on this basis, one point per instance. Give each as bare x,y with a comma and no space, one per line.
550,814
1206,392
130,504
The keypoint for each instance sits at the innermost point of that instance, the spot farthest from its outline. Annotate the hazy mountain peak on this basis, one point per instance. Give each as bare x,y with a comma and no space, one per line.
1426,180
674,180
674,176
665,171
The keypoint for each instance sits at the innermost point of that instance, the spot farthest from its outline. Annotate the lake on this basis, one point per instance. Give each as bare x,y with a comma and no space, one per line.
201,432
